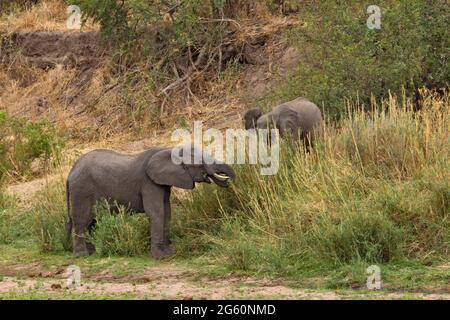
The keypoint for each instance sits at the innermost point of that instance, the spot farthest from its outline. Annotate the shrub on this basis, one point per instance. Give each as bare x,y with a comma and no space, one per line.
120,233
421,207
343,59
114,234
6,217
356,236
146,26
133,20
23,141
49,217
164,45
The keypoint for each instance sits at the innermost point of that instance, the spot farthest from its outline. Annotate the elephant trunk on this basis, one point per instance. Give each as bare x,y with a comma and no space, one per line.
220,173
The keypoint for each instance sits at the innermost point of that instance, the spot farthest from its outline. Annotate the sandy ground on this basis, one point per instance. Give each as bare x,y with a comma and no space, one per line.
174,282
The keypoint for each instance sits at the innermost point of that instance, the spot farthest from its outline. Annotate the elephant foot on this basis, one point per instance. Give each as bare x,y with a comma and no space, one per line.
168,250
90,248
80,253
161,252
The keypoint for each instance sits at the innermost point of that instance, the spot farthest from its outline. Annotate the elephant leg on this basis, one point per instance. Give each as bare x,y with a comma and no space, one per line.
82,217
153,201
167,216
89,245
307,139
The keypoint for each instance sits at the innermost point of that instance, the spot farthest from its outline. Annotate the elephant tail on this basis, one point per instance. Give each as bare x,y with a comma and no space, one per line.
69,221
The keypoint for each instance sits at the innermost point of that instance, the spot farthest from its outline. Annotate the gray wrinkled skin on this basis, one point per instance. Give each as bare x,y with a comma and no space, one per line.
297,117
142,182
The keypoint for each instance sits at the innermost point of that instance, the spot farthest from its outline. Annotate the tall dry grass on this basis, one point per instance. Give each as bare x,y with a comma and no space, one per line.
376,188
46,15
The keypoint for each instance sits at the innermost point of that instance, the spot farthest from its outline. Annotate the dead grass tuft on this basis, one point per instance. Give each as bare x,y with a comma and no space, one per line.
47,15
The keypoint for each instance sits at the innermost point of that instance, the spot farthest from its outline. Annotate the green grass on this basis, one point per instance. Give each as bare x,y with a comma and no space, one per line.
115,234
22,142
36,294
26,253
405,278
121,233
12,225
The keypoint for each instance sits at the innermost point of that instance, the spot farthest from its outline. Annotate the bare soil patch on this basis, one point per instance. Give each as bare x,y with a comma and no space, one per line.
45,50
48,74
169,280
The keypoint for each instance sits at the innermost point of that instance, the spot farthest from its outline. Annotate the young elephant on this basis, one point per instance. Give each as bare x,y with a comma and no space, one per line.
142,182
298,117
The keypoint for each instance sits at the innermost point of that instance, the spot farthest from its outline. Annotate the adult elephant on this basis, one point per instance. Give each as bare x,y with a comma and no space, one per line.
142,182
298,118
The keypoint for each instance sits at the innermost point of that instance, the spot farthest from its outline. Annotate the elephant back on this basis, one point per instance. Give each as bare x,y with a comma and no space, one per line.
308,113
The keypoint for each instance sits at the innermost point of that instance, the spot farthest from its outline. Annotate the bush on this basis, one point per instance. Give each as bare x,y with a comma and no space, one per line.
49,218
120,233
356,236
23,141
131,21
146,26
16,224
115,233
422,208
163,44
343,59
7,222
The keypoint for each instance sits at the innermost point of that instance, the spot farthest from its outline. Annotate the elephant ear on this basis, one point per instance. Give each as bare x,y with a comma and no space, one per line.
162,170
289,123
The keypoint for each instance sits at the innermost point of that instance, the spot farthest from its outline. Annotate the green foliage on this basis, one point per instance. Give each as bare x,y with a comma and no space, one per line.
115,233
356,236
22,141
120,233
343,59
120,20
422,208
6,201
155,43
49,217
142,23
7,223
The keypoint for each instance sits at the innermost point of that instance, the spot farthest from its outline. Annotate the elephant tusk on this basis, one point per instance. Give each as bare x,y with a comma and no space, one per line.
221,177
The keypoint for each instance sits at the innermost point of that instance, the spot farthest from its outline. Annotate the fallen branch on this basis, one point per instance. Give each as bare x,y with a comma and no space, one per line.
220,20
174,84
